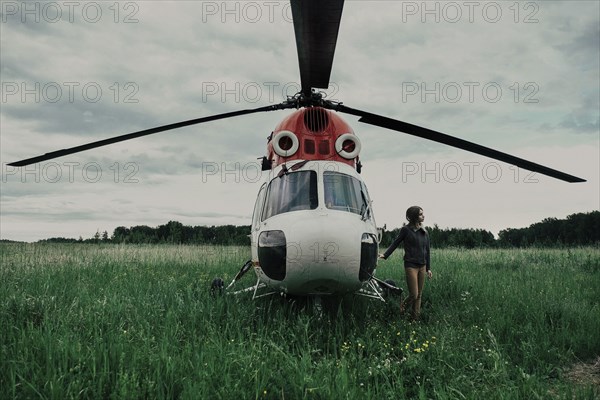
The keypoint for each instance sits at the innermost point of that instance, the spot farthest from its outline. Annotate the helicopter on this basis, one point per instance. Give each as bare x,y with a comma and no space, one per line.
313,230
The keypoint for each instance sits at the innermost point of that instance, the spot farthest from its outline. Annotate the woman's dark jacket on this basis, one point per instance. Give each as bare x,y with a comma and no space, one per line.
416,247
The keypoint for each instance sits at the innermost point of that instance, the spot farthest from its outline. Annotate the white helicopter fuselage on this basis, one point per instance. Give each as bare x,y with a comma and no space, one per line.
313,230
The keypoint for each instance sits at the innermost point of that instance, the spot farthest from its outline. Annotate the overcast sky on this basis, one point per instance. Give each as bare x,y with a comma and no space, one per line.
520,77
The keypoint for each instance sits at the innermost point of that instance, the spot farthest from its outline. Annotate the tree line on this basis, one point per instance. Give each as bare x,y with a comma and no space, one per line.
576,230
173,232
579,229
177,233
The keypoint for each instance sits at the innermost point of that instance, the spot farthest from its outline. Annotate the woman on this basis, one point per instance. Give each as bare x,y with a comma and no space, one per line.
416,257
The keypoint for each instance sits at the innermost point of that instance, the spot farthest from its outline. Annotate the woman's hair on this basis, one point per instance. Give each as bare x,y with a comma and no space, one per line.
412,214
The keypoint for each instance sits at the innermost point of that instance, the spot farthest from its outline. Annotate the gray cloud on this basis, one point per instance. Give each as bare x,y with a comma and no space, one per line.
188,63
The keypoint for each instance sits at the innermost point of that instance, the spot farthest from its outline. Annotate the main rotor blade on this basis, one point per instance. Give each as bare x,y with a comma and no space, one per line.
121,138
316,25
404,127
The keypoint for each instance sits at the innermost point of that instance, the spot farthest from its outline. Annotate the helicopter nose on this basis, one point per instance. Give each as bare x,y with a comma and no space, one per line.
329,254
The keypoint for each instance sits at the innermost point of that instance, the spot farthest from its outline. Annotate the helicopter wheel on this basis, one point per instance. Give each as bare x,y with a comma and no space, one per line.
216,286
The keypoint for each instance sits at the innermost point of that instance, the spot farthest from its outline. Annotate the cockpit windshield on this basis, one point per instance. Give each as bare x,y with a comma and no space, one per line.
293,191
344,192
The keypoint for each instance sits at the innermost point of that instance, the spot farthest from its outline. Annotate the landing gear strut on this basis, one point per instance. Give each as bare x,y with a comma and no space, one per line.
217,286
245,268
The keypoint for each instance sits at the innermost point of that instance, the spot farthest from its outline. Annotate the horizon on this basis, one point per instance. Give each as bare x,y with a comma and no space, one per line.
110,233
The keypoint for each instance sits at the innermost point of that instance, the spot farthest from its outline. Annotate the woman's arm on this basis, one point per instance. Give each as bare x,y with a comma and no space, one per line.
428,260
395,244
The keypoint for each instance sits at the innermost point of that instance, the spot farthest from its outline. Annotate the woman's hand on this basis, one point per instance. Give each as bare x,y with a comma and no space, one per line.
381,256
429,274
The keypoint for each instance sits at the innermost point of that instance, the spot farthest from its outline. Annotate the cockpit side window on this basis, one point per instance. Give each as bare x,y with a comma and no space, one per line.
344,192
293,191
258,207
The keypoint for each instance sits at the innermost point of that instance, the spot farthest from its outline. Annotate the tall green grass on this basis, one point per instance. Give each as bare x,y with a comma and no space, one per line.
134,321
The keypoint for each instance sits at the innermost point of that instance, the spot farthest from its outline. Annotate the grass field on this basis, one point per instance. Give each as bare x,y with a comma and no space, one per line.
133,321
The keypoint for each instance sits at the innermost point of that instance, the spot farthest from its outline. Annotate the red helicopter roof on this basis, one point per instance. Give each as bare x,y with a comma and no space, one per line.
313,133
